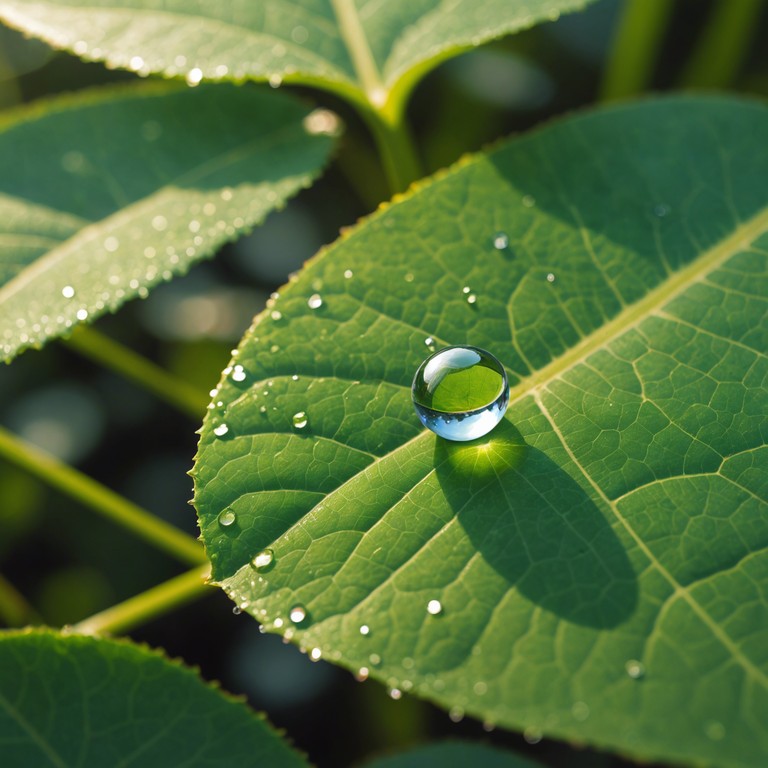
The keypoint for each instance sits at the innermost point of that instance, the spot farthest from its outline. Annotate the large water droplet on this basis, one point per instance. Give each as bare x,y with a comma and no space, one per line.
460,393
263,560
300,420
297,614
227,518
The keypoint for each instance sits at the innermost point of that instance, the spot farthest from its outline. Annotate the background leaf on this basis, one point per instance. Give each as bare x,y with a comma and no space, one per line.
74,700
600,558
452,754
106,194
347,46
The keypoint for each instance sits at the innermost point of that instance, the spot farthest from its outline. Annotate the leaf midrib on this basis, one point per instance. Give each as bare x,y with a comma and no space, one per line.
669,289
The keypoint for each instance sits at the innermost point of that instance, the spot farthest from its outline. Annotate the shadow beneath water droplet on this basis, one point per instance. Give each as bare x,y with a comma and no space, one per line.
537,527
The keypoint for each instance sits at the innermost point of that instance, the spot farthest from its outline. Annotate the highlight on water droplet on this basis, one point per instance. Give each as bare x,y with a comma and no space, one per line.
635,669
434,607
263,559
236,610
81,314
300,420
221,430
297,614
500,241
227,518
460,392
315,301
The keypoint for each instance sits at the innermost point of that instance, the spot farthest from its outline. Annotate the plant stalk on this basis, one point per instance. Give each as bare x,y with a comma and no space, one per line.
113,355
723,45
146,606
100,498
634,49
397,150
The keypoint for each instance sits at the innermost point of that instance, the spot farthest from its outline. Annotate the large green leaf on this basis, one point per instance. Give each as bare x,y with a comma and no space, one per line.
452,754
601,558
360,49
92,703
104,195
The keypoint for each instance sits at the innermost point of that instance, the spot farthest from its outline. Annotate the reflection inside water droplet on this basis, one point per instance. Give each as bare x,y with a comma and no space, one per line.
460,393
227,518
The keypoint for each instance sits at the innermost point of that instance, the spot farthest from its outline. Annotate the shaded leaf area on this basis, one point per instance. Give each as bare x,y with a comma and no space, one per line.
362,49
600,558
452,754
87,702
106,194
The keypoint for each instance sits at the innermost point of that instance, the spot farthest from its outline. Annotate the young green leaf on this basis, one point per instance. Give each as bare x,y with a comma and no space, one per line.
104,195
452,754
88,702
591,570
364,51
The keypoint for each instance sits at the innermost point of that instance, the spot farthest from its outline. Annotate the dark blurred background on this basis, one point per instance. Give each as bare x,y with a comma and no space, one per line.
71,563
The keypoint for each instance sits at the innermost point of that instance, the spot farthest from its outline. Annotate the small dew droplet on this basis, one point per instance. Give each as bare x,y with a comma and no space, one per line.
395,693
276,314
430,343
374,659
236,610
362,674
365,630
194,76
471,299
529,201
264,559
550,277
500,241
67,291
82,314
315,301
348,274
300,420
227,518
434,607
661,210
580,711
532,735
315,654
456,714
635,669
238,373
297,614
220,430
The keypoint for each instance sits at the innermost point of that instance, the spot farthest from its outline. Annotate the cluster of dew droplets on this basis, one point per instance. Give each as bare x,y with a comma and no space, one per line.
471,298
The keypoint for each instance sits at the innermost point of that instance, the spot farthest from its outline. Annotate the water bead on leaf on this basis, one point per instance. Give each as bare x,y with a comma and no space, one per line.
460,393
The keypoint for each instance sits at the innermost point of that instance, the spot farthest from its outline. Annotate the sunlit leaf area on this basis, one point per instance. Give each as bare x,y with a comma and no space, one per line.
386,383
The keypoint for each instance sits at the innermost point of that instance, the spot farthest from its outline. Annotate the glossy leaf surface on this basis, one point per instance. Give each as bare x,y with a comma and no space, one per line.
106,194
87,702
599,561
361,49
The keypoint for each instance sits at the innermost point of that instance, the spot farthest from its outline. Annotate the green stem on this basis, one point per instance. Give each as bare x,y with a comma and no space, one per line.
99,498
397,151
141,608
635,45
723,45
15,611
109,353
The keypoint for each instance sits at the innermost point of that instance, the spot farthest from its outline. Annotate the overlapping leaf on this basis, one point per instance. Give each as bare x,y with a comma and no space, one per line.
361,49
87,702
104,195
600,559
452,754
